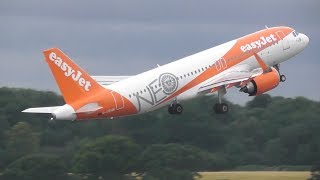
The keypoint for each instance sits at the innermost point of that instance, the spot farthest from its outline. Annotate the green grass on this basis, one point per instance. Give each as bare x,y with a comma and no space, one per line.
256,175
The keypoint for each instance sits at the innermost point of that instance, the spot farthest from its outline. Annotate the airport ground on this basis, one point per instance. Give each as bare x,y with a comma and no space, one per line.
254,175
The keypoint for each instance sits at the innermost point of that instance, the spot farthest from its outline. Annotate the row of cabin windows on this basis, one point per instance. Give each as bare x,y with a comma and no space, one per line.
143,91
181,77
195,72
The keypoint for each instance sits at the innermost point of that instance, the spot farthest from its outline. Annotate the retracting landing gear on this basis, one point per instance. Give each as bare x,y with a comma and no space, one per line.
175,108
221,108
283,78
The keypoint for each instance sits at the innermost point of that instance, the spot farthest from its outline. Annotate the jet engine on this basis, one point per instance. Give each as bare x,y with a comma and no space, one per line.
262,83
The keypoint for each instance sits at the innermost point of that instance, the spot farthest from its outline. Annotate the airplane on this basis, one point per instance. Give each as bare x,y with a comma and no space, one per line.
250,63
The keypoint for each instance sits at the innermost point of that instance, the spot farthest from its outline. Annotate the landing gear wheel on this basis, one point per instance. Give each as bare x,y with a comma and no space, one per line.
175,109
221,108
178,109
283,78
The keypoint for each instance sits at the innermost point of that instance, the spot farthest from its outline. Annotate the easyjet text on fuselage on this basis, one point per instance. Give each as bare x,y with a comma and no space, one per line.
259,43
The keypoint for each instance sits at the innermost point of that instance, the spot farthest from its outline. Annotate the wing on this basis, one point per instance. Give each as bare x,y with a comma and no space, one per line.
107,80
235,76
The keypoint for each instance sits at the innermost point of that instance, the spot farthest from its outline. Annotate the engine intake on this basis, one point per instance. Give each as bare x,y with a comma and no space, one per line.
262,83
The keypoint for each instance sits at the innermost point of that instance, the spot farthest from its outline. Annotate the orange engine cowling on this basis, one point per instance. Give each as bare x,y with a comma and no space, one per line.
262,83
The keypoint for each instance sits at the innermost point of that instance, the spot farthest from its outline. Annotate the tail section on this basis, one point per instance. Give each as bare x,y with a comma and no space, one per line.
73,82
84,97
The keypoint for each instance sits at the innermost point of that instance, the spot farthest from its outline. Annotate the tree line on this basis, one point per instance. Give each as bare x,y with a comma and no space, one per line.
267,131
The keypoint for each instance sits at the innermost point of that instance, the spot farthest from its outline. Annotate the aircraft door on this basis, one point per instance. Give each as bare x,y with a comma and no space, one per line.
118,100
285,42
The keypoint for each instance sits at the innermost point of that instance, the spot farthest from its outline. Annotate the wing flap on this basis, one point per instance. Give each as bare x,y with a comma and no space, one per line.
229,78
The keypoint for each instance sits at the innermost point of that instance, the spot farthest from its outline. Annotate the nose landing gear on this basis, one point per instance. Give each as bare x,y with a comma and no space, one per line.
283,78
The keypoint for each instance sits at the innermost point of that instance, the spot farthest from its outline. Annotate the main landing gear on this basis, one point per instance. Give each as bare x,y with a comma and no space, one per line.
175,108
221,108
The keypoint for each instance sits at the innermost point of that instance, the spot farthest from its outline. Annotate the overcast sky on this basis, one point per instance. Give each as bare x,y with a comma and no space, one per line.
126,37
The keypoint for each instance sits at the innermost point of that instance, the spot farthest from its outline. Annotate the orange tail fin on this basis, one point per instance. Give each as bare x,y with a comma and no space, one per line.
73,81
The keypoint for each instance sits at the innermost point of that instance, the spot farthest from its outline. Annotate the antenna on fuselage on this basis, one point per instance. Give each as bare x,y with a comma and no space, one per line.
266,26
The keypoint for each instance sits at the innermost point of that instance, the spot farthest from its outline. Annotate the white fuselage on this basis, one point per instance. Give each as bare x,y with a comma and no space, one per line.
146,93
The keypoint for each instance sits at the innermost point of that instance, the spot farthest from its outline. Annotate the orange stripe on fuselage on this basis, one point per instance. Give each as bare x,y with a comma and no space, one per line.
234,56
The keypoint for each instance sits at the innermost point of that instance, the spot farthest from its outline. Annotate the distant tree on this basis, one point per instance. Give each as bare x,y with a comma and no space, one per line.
35,166
275,153
110,157
269,131
181,161
260,101
4,159
4,127
21,140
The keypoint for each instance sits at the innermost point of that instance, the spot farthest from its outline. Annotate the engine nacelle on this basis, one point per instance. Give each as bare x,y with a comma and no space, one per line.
262,83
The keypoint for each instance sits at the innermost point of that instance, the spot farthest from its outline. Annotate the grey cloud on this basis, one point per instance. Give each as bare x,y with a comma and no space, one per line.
128,37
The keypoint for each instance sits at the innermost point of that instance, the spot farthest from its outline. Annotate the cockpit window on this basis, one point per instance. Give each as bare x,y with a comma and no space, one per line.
295,34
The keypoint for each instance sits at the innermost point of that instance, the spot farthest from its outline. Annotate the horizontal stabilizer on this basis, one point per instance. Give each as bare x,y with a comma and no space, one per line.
44,110
89,108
